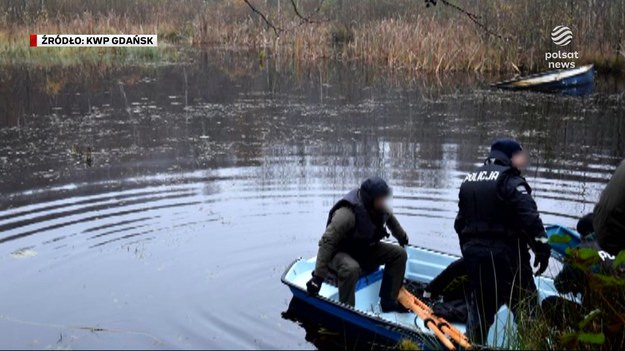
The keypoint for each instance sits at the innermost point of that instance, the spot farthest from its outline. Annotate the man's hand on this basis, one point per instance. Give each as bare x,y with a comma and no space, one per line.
403,241
542,252
314,285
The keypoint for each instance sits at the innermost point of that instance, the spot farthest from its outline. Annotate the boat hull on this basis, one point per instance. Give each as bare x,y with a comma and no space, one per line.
392,334
422,266
381,329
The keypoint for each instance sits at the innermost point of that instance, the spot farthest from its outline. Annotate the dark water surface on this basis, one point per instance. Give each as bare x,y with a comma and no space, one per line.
205,180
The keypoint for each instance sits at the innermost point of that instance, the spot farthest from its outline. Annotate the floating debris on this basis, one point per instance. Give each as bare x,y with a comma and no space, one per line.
24,253
81,154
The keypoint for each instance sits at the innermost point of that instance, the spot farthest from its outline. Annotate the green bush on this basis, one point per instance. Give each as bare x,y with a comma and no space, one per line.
598,323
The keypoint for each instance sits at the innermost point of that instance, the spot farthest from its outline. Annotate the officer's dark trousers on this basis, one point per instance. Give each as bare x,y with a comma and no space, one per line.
499,273
349,270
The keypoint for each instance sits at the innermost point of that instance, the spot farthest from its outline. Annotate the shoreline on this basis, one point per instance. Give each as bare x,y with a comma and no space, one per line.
13,56
407,39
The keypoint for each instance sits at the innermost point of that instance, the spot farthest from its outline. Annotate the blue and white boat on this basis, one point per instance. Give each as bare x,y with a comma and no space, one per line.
423,265
574,81
562,238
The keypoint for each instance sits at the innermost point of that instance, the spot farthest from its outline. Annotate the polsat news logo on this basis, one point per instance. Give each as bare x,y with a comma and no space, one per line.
93,40
561,36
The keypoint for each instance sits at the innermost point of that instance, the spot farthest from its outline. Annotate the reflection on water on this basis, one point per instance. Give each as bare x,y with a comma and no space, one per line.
207,180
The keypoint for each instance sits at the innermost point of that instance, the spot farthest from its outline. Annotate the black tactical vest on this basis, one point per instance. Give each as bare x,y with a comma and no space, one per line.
485,213
365,233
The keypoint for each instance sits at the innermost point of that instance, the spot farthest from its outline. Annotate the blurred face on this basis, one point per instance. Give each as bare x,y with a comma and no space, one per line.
520,160
380,203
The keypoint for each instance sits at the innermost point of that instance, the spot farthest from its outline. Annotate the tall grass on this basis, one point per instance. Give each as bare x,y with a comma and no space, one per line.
403,35
597,323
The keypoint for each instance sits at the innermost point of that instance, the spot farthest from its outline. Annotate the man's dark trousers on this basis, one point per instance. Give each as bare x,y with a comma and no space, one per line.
349,269
500,273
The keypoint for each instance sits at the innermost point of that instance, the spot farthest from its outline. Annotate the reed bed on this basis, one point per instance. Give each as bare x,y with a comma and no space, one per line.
402,35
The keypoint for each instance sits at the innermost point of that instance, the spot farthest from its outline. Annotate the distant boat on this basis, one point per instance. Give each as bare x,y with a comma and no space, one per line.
574,81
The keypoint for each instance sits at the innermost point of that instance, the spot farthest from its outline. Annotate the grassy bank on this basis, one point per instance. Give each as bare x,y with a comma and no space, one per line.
19,18
598,323
404,35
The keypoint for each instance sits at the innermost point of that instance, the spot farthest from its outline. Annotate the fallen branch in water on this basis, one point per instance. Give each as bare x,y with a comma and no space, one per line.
88,328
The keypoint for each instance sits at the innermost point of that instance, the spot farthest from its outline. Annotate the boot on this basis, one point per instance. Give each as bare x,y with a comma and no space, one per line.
392,306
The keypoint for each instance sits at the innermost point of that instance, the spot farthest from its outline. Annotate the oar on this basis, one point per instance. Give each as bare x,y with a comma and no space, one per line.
406,299
424,312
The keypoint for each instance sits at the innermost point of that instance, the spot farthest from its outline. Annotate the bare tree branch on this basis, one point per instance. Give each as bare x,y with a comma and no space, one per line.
276,29
309,18
475,19
303,19
319,6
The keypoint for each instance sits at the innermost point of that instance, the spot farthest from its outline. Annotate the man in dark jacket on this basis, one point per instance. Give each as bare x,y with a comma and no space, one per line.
497,220
609,219
351,245
572,279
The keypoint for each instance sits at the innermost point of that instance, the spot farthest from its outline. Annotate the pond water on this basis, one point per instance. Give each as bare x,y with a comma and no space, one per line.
157,207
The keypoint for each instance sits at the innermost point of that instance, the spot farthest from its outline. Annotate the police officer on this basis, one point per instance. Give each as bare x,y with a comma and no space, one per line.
497,220
351,245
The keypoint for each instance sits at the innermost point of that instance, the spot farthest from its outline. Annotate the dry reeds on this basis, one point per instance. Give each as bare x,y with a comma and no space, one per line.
398,34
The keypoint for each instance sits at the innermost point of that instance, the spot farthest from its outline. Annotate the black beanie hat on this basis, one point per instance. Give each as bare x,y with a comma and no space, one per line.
507,146
374,188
